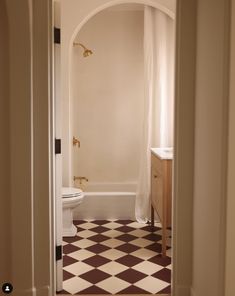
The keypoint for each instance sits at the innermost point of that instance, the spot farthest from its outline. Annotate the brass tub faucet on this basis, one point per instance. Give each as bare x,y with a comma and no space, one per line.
76,142
75,178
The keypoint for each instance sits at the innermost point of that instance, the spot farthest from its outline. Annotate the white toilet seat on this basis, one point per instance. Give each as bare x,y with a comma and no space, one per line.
71,192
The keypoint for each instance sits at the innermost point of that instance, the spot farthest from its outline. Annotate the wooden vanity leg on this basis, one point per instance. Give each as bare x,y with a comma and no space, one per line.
163,240
152,218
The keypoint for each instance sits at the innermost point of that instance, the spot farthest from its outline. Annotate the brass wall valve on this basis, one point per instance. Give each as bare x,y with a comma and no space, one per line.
76,142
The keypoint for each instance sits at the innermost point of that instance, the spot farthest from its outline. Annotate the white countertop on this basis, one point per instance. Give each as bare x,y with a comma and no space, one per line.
163,153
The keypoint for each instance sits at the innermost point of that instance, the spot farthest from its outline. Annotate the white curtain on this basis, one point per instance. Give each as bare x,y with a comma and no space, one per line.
158,99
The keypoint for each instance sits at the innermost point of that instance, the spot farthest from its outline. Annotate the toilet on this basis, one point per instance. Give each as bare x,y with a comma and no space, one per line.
71,198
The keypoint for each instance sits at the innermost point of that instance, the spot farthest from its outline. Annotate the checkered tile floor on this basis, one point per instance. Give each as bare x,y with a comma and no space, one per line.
115,257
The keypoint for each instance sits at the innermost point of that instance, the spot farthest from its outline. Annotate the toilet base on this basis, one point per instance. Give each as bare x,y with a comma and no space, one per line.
68,232
68,227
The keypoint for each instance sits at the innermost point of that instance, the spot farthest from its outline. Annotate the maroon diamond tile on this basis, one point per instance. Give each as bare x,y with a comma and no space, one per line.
159,260
67,275
100,229
62,292
127,248
71,239
166,290
98,238
150,228
68,260
124,222
163,274
155,247
94,276
100,222
77,222
129,260
79,228
93,290
125,228
153,237
131,276
70,248
97,248
96,261
133,290
126,237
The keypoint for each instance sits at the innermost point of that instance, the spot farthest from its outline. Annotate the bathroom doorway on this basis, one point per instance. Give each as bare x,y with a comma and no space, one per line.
113,252
68,179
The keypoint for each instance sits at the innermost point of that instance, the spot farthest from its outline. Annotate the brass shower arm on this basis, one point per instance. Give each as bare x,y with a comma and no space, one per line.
86,52
80,44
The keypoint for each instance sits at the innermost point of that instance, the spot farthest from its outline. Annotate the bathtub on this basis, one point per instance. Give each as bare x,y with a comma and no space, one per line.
107,201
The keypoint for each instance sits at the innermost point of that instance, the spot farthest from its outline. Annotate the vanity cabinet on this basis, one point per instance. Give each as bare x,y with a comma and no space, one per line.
161,190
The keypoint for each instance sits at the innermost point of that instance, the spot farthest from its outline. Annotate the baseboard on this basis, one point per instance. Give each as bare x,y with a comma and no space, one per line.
182,291
192,292
42,291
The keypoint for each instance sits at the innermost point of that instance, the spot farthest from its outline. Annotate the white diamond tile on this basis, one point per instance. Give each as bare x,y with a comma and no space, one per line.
87,225
137,225
169,266
112,254
113,285
112,225
139,232
144,254
112,243
84,243
81,254
86,233
147,267
113,268
141,242
78,268
75,285
112,233
151,284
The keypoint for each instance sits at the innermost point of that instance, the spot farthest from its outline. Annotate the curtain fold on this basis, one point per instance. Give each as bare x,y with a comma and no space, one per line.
158,99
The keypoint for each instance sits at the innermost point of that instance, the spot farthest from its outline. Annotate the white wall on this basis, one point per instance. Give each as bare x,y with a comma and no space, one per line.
74,14
230,241
108,97
210,148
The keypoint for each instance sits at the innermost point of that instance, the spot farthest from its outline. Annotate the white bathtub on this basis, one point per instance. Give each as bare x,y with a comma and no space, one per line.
107,201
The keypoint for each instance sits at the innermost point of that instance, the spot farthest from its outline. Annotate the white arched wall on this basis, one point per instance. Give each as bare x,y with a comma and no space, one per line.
74,14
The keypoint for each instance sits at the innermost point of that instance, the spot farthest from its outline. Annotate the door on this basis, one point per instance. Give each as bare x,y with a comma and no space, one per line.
58,167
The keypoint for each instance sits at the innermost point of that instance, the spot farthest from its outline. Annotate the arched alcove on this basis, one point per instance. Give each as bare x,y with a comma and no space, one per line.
72,21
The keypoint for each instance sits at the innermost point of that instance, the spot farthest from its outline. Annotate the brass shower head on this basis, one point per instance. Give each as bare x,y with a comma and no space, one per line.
86,52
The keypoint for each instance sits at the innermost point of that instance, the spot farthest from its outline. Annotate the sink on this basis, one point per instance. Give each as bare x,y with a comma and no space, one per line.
167,150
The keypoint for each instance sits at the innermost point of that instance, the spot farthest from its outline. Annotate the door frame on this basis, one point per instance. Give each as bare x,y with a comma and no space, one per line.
30,28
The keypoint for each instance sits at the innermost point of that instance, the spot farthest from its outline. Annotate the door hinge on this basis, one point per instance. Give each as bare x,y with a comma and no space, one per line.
56,35
58,253
57,146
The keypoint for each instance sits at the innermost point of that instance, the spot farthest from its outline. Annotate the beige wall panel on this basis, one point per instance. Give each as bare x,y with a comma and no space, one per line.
4,148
